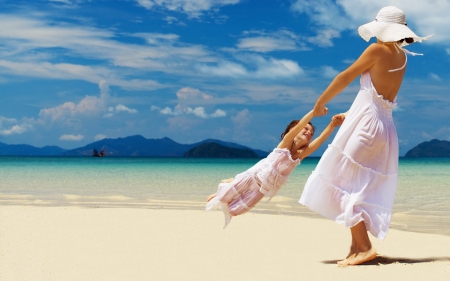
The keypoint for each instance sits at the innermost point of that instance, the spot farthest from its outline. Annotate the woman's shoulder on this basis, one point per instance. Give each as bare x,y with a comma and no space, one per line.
377,49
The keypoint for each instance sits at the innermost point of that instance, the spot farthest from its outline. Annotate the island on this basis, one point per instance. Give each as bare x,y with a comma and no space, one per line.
434,148
215,150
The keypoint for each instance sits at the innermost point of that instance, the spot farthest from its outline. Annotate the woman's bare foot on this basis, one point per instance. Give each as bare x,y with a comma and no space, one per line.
353,248
359,258
210,197
361,249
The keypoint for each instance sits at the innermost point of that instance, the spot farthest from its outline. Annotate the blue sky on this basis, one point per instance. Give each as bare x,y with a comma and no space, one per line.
73,72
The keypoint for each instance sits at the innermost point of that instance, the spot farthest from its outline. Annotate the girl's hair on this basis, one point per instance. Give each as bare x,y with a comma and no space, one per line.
292,125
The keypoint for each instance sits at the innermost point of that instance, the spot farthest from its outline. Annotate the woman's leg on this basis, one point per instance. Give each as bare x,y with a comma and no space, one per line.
361,250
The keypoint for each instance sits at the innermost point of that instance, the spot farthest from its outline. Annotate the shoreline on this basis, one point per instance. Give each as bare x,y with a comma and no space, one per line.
74,243
427,222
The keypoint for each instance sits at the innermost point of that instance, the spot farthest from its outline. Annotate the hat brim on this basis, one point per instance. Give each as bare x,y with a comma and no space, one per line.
388,32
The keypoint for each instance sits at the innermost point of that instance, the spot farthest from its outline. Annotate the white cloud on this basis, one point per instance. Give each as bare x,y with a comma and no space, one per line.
172,20
329,71
269,68
15,129
224,68
29,42
12,126
193,8
197,111
187,93
259,41
71,137
62,1
188,96
65,71
426,135
218,113
241,119
99,137
398,108
88,106
122,108
4,120
424,17
324,37
443,133
434,77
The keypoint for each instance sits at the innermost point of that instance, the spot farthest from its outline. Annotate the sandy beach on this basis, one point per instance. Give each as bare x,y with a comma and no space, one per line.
77,243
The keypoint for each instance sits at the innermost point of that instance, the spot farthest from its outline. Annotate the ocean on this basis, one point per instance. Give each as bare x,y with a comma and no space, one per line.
422,201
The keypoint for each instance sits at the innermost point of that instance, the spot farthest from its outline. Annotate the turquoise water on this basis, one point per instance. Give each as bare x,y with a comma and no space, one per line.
422,202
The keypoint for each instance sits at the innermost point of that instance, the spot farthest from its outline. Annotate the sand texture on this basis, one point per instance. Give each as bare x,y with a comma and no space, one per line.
76,243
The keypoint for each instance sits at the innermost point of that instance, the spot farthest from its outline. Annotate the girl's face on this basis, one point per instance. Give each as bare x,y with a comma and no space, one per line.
306,133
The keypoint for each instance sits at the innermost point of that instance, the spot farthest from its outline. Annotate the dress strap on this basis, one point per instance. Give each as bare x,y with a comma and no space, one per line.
399,47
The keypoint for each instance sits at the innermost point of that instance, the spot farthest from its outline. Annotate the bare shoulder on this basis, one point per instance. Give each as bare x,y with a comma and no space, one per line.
376,49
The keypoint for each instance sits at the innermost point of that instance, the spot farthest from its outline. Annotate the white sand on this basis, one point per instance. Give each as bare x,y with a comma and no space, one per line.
75,243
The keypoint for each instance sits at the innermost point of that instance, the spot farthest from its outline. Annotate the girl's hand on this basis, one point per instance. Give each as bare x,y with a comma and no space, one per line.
338,119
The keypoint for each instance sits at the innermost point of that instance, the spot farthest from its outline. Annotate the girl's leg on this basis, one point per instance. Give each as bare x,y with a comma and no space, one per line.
245,202
362,250
215,194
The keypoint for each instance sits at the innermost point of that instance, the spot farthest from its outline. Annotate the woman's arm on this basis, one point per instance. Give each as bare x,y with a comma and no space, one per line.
315,144
367,59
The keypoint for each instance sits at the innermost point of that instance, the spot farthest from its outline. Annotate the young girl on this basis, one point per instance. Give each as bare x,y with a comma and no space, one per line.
355,180
237,195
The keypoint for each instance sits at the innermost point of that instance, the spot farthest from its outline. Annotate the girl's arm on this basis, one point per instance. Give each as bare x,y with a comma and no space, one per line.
286,142
367,59
315,144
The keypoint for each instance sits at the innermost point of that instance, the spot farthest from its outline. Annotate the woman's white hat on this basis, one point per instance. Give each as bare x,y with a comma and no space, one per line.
389,26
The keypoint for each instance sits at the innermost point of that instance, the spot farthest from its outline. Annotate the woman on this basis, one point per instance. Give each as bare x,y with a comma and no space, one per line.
355,181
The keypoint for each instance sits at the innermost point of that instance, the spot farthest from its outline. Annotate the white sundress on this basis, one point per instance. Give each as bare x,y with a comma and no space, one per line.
265,178
356,178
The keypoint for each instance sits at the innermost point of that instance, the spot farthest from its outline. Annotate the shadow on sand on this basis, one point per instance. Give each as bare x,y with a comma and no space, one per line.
382,260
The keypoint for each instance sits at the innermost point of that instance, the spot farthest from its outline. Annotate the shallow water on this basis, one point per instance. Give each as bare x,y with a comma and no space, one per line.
422,202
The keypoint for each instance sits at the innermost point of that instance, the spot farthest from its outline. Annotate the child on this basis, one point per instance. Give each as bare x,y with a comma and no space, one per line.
237,195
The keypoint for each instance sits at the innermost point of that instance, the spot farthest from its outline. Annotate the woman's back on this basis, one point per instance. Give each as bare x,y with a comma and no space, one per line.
387,83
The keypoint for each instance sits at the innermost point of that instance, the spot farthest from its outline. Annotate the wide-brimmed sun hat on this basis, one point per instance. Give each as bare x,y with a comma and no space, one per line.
389,26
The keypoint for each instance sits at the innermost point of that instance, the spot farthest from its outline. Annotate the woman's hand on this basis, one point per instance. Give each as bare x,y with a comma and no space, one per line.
320,109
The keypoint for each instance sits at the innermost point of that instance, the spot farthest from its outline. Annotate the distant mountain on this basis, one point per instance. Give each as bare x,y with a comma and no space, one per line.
140,146
433,148
260,153
28,150
128,146
215,150
133,146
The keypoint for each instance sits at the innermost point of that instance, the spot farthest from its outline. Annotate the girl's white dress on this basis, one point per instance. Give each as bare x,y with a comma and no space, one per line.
356,178
265,178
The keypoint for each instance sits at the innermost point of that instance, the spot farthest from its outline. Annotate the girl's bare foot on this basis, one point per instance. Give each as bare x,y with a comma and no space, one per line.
227,180
210,197
359,258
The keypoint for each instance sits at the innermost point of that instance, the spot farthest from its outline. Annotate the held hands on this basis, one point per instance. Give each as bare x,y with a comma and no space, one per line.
320,109
320,112
338,119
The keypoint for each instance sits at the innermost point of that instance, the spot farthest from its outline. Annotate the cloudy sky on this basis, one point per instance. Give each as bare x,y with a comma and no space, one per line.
76,71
